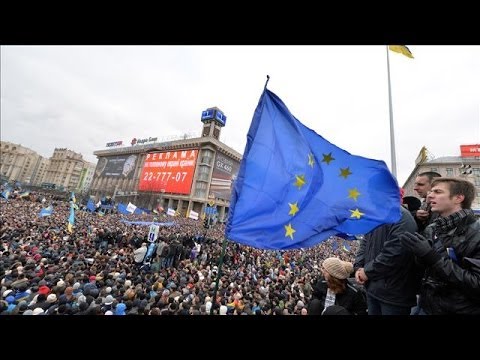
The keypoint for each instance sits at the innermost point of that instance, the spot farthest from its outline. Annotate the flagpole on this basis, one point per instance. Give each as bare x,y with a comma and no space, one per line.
266,82
392,132
219,270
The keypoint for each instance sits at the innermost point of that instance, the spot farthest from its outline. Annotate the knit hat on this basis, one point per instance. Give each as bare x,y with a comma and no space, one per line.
223,310
120,309
337,268
43,290
38,311
109,300
51,298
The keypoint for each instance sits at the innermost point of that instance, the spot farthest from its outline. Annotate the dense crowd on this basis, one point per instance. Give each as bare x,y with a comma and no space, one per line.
101,268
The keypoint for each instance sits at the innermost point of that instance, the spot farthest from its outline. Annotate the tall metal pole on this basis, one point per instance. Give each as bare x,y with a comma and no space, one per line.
392,131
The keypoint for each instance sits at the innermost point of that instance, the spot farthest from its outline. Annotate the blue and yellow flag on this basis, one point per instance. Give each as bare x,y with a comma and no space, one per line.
71,218
401,49
295,189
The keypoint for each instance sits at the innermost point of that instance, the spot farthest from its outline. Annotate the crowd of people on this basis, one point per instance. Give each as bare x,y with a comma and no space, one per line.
100,268
426,263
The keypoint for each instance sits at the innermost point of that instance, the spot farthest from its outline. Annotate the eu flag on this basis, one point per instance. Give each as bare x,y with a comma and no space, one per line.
295,189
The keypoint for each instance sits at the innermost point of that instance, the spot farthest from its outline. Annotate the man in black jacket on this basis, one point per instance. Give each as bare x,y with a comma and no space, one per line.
387,270
450,249
422,186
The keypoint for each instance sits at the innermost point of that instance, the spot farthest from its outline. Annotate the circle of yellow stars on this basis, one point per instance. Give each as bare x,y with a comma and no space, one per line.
301,181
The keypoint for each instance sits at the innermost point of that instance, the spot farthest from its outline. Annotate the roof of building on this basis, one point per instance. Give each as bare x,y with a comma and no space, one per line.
453,160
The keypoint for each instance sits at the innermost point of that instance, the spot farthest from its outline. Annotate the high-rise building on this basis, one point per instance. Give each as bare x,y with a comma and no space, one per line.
65,169
19,163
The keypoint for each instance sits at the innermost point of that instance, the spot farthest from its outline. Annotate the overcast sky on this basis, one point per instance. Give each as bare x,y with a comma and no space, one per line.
82,97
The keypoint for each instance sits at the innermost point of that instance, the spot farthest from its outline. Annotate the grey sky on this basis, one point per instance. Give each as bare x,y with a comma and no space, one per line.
82,97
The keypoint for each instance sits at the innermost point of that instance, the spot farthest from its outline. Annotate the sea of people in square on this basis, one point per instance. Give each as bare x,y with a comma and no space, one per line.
104,267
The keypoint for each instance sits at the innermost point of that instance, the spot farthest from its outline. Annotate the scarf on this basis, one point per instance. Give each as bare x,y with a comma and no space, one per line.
445,224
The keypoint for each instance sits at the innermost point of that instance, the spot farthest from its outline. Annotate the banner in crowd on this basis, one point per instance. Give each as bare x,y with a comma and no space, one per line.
131,208
193,215
171,223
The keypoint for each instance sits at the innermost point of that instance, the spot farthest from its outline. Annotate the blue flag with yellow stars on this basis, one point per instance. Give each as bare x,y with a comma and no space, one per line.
295,189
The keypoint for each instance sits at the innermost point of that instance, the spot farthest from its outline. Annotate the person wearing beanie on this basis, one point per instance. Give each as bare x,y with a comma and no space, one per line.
387,270
335,290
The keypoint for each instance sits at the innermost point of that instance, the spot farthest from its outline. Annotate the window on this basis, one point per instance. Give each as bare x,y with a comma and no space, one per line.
204,170
200,193
433,169
476,171
201,186
449,172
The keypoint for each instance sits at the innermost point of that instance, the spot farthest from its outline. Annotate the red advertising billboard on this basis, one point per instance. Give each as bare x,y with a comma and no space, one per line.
470,150
170,171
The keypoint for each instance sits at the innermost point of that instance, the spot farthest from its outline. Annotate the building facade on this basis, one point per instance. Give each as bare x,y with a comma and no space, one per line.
466,166
19,163
65,169
184,175
40,171
86,177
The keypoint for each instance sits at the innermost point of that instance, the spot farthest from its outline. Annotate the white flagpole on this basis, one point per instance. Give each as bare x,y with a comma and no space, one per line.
392,132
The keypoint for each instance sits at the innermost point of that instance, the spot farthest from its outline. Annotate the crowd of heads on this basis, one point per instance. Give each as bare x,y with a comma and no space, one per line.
44,269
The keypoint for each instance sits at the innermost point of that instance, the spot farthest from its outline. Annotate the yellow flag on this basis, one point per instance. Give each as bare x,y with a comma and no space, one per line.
402,49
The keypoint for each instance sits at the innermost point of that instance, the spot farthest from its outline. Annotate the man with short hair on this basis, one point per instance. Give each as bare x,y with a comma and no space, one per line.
422,186
450,250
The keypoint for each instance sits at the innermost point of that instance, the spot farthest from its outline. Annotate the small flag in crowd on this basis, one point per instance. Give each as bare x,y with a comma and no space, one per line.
71,218
6,193
131,208
46,211
91,205
25,194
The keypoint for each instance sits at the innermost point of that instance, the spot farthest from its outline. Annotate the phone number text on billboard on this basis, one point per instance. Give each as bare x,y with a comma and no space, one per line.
170,172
